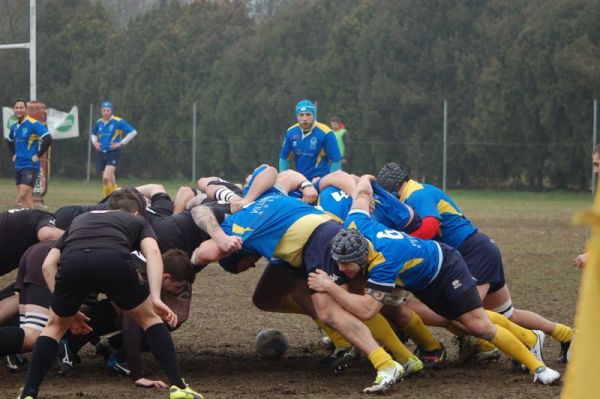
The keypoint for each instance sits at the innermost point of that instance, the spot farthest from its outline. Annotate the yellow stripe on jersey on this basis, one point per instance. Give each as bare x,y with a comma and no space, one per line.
326,129
410,264
446,207
116,134
32,138
240,230
411,187
290,247
331,215
320,156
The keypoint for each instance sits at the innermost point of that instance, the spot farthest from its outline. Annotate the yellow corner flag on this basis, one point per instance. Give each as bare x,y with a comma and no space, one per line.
582,380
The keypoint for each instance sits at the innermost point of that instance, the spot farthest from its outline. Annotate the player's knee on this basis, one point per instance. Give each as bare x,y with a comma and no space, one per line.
203,182
481,328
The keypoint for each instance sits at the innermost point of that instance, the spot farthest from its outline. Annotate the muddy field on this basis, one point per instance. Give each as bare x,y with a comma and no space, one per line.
217,349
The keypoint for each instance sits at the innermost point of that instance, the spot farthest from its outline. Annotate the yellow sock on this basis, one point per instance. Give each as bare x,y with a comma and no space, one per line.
288,305
524,335
483,345
416,330
106,189
562,333
379,358
338,340
515,349
383,333
113,187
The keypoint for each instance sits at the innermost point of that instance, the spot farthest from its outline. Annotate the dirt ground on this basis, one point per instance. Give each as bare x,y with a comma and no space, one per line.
217,349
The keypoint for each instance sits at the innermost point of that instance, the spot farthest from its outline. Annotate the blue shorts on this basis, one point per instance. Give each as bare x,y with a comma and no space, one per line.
484,261
26,176
109,158
453,292
317,252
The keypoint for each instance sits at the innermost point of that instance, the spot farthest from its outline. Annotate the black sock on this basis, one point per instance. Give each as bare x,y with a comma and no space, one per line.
161,345
42,357
11,340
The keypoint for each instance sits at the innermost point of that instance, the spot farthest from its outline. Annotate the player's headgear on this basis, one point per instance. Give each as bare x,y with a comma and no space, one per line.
350,246
106,104
230,262
391,177
306,106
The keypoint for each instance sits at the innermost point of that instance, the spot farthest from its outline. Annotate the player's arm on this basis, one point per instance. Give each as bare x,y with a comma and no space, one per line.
128,137
207,252
264,178
286,147
149,190
206,220
50,267
339,179
291,180
46,142
94,137
430,227
363,193
333,152
365,307
154,271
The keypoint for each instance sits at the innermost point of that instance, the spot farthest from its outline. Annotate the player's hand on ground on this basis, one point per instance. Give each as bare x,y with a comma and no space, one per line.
309,194
229,244
164,312
79,325
319,281
579,261
146,383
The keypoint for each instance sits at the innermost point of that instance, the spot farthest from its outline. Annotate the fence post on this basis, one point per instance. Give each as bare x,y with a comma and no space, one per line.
194,143
89,147
445,150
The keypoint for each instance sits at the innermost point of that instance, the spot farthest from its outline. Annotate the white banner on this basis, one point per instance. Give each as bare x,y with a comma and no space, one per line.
61,125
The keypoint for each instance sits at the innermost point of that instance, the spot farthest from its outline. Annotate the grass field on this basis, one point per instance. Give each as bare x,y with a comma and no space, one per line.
216,345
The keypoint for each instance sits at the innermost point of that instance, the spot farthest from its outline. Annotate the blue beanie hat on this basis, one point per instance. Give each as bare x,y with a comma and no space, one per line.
306,106
106,104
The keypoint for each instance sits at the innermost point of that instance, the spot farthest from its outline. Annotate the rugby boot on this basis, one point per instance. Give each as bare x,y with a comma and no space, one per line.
385,380
431,359
413,366
545,375
188,393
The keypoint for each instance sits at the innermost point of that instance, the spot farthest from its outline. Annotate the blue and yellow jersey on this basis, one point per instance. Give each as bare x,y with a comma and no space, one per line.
311,153
395,258
27,136
111,132
275,226
388,209
427,200
335,202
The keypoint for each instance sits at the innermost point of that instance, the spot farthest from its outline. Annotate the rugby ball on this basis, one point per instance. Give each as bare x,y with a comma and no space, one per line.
271,343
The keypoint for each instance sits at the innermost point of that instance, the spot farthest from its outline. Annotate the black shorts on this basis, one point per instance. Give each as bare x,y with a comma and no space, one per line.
453,292
161,205
484,261
109,158
26,176
317,252
97,269
33,294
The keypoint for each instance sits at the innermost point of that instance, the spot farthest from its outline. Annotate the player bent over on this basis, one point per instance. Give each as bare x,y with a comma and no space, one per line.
434,272
95,254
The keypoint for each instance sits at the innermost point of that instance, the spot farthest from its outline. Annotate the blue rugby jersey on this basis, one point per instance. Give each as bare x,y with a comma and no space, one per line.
388,210
313,153
27,136
396,259
267,222
111,132
428,200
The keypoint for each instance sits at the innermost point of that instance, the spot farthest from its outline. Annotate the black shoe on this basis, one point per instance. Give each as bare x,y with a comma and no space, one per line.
341,359
65,359
16,363
431,359
564,350
117,367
